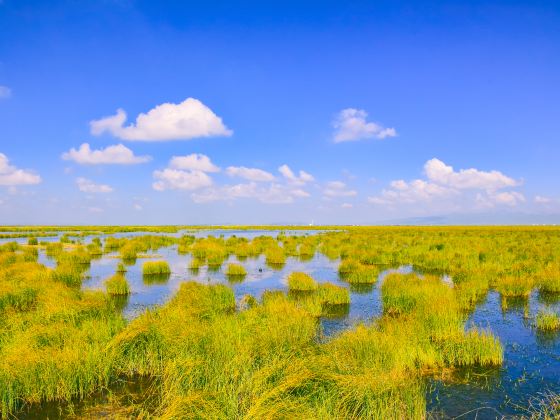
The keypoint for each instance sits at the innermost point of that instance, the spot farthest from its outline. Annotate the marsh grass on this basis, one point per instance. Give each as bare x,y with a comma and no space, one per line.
301,282
547,321
117,285
150,268
235,272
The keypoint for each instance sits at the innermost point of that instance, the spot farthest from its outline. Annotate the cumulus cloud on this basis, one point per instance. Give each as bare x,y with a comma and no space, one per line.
446,188
186,120
443,174
11,176
270,194
250,174
88,186
111,155
302,179
193,162
346,206
351,124
5,92
539,199
338,189
176,179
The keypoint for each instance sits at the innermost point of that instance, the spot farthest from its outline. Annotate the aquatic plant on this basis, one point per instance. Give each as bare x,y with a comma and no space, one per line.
235,270
547,320
155,267
301,282
117,285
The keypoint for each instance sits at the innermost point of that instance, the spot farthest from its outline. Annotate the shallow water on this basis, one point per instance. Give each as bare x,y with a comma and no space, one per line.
531,360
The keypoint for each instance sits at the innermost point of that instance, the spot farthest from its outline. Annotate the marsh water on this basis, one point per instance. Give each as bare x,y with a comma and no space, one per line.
531,365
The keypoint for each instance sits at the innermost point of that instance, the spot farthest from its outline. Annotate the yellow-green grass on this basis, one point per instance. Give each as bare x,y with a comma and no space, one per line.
121,268
117,285
332,294
235,270
275,256
548,321
155,267
301,282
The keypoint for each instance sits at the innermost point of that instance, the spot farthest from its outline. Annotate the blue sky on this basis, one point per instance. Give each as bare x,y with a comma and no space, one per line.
279,112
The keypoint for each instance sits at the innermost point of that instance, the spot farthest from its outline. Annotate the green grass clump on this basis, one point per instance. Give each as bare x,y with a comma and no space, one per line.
275,256
349,266
32,241
68,274
155,267
332,294
548,321
511,286
121,268
235,270
301,282
550,279
117,285
363,275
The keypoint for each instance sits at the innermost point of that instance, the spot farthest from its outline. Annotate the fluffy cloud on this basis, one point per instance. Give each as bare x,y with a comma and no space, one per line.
351,124
88,186
193,162
415,191
346,206
443,174
117,155
338,189
12,176
448,189
539,199
250,174
5,92
186,120
270,194
176,179
302,179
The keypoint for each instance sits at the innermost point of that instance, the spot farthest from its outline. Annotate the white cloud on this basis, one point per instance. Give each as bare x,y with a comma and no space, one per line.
303,177
250,174
186,120
270,194
539,199
415,191
176,179
193,162
338,189
443,174
11,176
138,207
350,124
5,92
491,199
346,206
95,210
446,189
117,155
88,186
